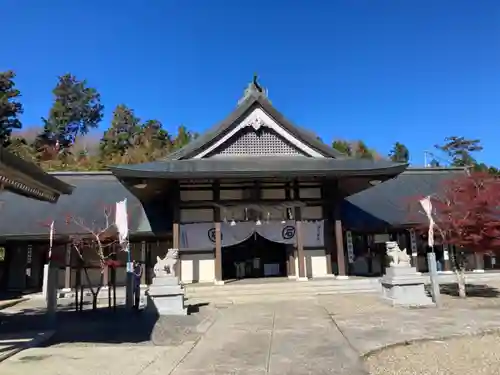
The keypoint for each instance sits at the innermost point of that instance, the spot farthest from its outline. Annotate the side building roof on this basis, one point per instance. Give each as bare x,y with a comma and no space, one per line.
94,192
391,203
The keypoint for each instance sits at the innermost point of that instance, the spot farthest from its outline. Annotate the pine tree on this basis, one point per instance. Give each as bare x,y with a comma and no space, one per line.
121,135
399,153
10,107
76,110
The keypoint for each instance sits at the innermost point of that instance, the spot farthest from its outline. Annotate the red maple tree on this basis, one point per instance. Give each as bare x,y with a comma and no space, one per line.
466,210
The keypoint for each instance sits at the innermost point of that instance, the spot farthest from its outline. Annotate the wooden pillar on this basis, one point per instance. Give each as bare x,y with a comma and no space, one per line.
105,276
446,258
339,242
337,200
67,268
291,262
105,271
327,201
218,236
218,254
176,228
299,234
414,248
479,262
300,250
291,249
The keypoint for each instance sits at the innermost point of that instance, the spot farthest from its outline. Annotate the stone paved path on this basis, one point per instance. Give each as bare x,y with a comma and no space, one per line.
286,338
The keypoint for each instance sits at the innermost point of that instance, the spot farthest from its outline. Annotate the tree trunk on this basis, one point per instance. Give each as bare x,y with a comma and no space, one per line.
460,273
95,293
78,282
81,297
458,263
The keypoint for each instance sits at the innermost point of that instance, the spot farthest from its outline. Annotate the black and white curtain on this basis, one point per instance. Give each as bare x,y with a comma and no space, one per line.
202,235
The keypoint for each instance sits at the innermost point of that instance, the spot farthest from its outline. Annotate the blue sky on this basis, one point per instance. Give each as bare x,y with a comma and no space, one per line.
377,70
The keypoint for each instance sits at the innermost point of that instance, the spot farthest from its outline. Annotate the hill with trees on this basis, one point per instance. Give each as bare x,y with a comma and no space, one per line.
67,140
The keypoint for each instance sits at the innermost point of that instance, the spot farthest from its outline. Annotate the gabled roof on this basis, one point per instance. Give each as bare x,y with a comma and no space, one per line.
25,178
255,110
251,102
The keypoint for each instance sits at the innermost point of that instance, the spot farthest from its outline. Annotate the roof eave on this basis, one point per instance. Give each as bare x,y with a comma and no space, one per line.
34,172
385,173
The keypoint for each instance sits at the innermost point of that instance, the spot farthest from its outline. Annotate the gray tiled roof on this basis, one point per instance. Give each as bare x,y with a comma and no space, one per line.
250,103
290,166
394,201
21,216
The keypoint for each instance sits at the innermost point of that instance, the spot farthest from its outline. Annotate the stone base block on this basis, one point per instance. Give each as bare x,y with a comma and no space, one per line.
166,297
403,286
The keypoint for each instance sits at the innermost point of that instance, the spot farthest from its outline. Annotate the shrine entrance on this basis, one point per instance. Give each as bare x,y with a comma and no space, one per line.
256,257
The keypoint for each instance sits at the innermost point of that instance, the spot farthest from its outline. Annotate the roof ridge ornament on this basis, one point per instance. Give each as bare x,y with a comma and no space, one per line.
255,89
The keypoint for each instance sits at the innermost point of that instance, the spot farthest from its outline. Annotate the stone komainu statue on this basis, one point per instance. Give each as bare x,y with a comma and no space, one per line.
166,266
399,257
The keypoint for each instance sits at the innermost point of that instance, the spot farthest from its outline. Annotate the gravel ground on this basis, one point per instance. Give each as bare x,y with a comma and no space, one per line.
478,355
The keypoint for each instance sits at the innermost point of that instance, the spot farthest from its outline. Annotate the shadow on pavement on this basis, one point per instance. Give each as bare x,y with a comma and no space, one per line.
103,325
472,290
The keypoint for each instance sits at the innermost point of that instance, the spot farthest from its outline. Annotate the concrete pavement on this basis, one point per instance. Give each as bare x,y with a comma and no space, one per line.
323,335
13,343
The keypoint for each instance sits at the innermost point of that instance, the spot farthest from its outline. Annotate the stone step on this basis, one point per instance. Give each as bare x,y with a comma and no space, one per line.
248,298
288,288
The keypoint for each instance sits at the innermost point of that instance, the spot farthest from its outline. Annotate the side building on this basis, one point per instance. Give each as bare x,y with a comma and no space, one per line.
23,180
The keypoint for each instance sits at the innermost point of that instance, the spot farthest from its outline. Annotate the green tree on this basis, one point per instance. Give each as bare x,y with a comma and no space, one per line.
399,153
76,110
342,146
184,136
460,149
10,107
362,151
121,135
153,131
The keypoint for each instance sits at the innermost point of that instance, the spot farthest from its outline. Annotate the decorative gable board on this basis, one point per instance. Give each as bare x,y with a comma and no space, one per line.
251,142
269,138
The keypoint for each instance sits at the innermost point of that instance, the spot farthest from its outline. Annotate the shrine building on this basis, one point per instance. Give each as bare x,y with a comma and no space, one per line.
254,196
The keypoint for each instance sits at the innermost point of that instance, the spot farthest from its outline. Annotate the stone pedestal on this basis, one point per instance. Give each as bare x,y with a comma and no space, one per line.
166,296
404,286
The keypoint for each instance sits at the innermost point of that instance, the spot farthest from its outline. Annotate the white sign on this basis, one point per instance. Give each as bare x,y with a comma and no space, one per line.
350,247
413,243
